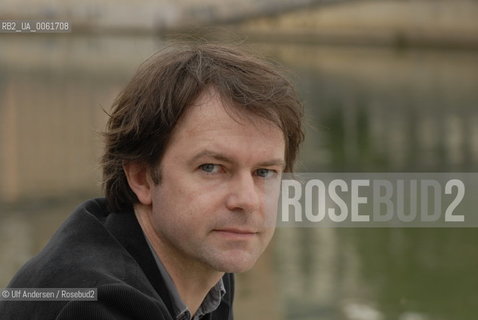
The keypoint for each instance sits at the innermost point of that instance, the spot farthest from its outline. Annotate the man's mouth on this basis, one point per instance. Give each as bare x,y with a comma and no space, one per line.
237,233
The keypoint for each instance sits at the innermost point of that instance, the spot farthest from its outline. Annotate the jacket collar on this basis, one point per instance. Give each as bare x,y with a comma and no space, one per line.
125,228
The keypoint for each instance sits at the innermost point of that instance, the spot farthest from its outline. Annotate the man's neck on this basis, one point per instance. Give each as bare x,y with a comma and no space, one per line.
192,279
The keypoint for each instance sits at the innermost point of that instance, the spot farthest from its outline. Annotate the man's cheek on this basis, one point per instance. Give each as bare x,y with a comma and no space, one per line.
270,205
209,197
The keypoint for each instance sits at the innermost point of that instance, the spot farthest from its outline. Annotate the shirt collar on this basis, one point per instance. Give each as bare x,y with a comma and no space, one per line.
181,312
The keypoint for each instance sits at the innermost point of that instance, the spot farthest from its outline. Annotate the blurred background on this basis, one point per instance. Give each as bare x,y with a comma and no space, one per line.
387,85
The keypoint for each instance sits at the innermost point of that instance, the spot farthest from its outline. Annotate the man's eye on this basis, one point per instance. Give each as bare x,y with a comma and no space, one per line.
209,168
265,173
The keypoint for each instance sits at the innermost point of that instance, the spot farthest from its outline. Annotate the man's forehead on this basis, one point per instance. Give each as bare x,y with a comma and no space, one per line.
210,112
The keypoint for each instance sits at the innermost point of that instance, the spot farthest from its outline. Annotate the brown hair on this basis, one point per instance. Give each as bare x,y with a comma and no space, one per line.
146,112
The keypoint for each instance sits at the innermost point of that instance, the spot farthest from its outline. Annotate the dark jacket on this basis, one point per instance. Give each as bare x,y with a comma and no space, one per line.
97,249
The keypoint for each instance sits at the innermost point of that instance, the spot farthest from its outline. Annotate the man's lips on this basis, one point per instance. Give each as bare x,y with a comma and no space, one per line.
235,232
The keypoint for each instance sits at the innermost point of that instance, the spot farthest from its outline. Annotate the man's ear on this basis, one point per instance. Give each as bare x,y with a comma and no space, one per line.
139,180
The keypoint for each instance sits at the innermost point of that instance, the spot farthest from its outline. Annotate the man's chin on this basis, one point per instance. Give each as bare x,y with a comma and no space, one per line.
237,269
236,264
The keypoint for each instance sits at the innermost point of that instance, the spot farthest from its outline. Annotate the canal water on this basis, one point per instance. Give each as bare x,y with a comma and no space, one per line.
368,109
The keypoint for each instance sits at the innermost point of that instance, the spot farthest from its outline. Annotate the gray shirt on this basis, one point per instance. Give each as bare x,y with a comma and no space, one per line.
181,312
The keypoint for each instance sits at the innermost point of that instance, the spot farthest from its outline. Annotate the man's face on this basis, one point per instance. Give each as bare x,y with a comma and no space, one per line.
216,204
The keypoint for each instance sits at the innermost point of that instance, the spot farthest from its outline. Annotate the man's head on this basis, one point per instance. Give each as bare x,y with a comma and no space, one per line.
197,142
148,111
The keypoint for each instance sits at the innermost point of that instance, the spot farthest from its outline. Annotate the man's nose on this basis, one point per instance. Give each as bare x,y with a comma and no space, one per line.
243,194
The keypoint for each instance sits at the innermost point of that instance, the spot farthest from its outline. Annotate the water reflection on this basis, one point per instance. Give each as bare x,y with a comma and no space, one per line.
373,110
367,110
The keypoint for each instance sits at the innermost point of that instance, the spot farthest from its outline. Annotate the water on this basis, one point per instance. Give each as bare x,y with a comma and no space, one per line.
368,109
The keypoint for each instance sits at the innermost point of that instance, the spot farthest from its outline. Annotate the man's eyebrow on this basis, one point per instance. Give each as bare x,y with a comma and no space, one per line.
273,162
211,154
224,158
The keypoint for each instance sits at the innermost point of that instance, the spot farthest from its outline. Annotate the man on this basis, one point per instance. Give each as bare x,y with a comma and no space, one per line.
195,147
